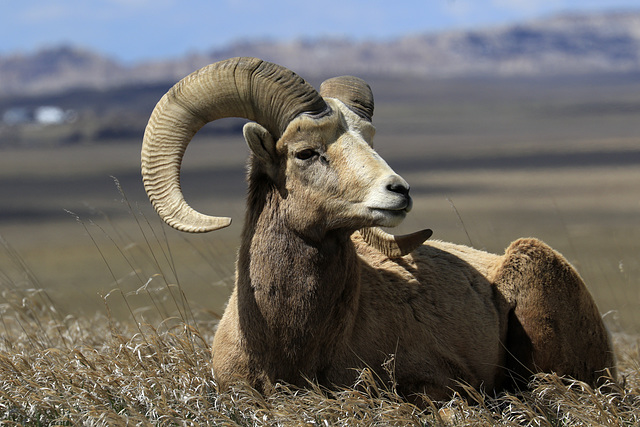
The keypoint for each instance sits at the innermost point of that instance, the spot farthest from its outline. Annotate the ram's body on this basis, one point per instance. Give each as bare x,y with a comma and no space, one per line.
315,298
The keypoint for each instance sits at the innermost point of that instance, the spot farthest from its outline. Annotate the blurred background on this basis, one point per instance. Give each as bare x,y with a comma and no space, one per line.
509,118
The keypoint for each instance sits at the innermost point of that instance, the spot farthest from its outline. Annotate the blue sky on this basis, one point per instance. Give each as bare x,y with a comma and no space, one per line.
135,30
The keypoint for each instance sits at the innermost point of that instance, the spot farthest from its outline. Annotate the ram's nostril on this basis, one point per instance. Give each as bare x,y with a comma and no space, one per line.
398,185
395,188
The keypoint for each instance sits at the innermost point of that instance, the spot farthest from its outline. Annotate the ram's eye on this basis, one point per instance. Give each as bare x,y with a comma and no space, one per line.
306,154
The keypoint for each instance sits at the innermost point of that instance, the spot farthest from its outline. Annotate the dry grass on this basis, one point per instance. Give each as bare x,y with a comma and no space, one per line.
59,369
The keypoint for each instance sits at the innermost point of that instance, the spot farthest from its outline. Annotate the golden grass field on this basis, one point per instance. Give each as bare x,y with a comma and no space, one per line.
107,314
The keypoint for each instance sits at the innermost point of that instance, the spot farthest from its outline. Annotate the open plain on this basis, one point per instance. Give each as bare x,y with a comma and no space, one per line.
488,161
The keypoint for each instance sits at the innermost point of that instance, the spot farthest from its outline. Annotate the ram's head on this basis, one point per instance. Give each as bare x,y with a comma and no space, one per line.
314,150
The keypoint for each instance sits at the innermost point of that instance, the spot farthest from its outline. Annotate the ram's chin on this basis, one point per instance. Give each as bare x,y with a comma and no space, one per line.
388,218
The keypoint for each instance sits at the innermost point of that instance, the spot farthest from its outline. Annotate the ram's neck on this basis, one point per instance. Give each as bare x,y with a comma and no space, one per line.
296,297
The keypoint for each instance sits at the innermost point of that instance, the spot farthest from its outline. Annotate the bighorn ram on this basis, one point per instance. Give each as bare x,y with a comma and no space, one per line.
320,290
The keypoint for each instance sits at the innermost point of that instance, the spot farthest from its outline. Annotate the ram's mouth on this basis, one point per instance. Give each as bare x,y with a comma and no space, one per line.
409,204
398,203
402,206
390,216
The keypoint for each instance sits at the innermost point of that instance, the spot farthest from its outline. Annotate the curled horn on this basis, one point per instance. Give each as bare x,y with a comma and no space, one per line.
394,246
353,91
239,87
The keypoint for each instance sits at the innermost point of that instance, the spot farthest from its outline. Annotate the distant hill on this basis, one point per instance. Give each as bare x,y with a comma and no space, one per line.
567,44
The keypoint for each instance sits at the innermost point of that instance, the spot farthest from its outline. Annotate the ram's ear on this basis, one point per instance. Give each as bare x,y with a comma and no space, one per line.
261,143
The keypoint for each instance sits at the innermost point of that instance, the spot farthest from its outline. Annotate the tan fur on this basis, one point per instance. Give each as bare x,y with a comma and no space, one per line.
313,301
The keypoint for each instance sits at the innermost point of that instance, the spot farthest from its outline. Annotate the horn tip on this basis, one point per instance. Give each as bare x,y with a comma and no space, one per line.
425,234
